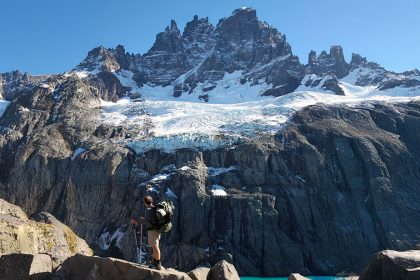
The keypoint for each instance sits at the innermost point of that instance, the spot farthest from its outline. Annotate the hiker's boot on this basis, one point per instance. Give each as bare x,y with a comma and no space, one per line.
152,264
155,264
158,265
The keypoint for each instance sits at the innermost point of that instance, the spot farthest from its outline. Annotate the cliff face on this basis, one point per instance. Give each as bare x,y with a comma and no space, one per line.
334,186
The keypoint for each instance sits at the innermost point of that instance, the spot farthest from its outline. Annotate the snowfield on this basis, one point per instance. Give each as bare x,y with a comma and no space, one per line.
234,111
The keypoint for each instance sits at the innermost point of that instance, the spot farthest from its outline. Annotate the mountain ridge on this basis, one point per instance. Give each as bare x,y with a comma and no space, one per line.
202,54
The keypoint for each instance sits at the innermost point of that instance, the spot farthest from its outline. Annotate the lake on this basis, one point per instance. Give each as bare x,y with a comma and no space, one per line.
285,278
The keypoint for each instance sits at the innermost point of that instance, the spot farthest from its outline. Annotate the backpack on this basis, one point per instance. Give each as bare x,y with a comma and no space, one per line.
164,214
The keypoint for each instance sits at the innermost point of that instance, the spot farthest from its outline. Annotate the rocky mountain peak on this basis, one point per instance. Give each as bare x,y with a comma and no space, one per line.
245,11
196,27
174,26
336,52
332,63
312,57
239,42
198,39
357,60
169,40
100,59
15,82
241,25
413,72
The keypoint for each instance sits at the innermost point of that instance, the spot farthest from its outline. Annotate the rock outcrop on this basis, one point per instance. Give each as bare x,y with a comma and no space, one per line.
96,268
297,276
200,273
15,83
48,240
80,267
332,63
223,270
387,265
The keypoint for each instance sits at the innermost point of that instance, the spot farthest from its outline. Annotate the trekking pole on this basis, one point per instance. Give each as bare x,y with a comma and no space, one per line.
135,235
137,245
141,235
141,244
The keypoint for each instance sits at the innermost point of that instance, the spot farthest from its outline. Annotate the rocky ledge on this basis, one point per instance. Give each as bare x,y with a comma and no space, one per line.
393,265
81,267
46,239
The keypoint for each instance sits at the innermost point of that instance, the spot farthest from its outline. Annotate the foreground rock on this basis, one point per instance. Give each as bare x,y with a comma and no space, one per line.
95,268
46,241
393,265
223,270
80,267
297,276
200,273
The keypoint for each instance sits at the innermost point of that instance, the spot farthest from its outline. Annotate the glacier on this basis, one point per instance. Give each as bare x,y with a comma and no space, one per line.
233,113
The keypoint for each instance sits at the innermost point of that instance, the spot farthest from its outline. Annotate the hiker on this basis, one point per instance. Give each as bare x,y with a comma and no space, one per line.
153,230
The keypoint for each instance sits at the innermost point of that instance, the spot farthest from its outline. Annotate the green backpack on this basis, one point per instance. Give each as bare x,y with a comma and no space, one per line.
164,215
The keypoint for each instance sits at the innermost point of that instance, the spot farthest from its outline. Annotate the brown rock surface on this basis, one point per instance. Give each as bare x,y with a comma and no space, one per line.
49,241
223,270
393,265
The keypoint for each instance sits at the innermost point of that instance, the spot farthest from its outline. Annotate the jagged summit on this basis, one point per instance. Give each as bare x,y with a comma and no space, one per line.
170,40
240,50
194,62
244,10
332,63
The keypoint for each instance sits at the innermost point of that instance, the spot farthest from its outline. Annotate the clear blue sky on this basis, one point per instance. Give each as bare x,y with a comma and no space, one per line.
52,36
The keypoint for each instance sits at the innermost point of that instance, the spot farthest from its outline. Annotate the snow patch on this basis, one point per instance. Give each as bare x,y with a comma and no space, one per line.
77,152
160,177
217,190
216,171
153,189
126,79
228,90
82,74
105,240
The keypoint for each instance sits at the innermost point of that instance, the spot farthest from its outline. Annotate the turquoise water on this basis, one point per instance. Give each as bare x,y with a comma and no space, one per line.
285,278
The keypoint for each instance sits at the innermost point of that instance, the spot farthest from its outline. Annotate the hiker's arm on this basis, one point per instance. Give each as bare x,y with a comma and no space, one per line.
135,222
143,221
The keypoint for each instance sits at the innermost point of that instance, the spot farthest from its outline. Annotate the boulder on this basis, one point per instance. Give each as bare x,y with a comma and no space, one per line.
297,276
200,273
43,245
223,270
393,265
95,268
